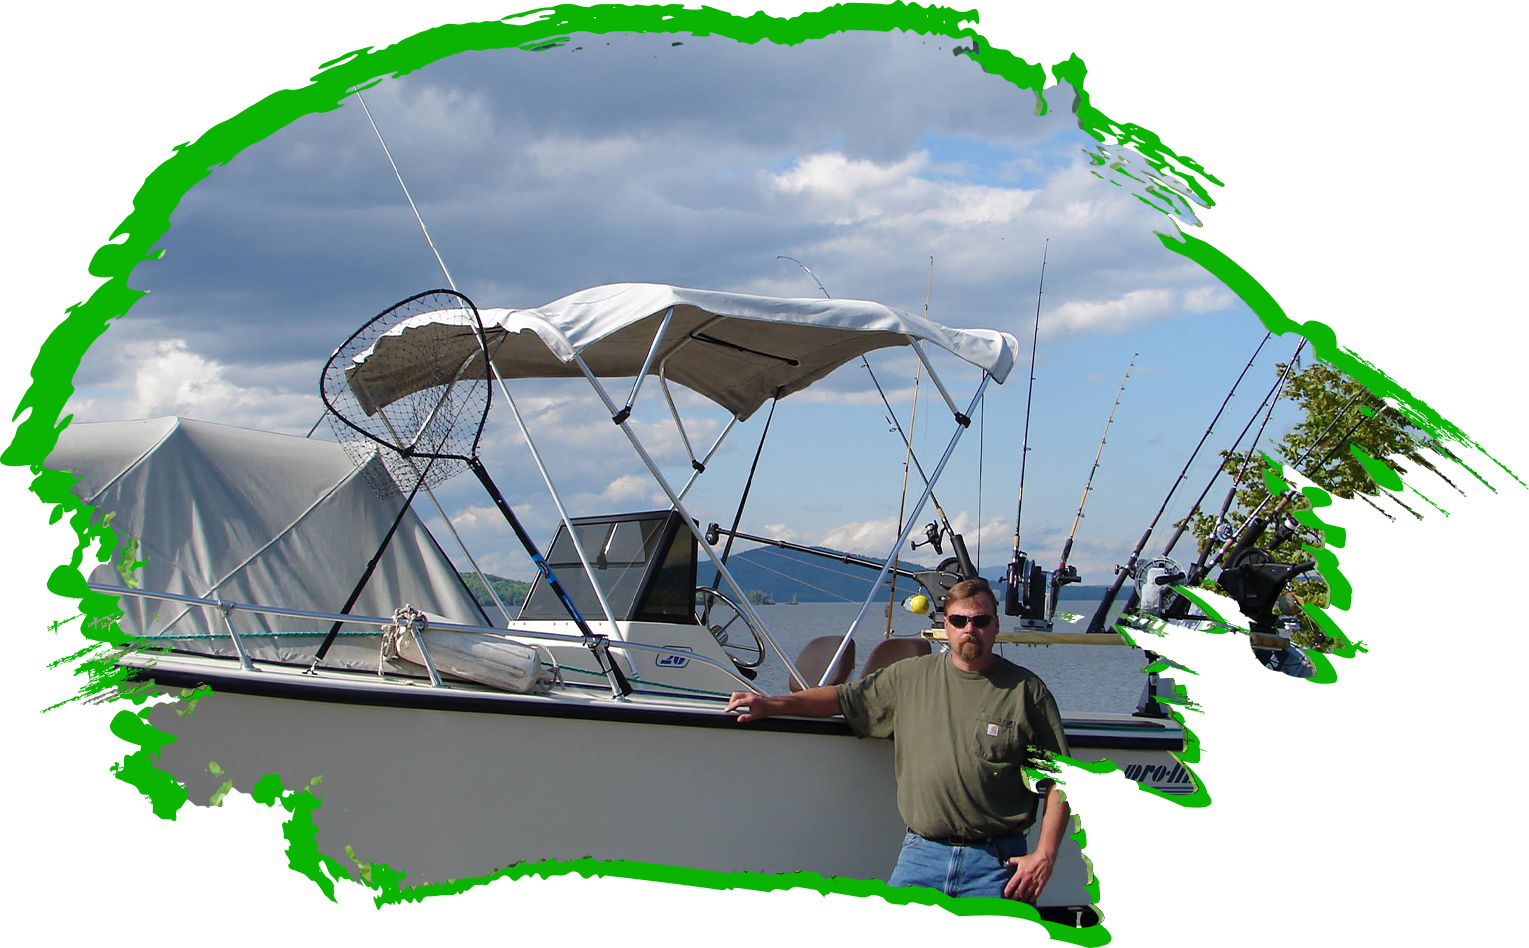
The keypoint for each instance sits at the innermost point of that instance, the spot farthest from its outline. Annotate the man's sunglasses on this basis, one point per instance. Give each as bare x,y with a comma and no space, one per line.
980,621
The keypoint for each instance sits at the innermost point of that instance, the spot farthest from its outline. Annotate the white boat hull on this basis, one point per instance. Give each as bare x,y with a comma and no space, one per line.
455,783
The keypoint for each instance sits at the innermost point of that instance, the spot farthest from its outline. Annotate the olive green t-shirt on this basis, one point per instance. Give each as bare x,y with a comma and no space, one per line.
962,740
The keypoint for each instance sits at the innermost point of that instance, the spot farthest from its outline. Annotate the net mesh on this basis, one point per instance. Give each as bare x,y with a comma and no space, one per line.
429,432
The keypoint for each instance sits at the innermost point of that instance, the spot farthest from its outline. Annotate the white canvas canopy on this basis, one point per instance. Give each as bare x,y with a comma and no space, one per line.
249,516
737,349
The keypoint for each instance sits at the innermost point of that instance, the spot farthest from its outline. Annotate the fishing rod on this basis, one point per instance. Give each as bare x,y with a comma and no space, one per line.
1174,604
1197,570
1021,569
1248,532
1096,624
1171,604
410,467
1065,574
597,644
748,485
1270,399
931,532
902,500
1254,578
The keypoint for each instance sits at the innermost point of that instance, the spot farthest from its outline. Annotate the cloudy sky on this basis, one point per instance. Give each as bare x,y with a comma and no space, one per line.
633,158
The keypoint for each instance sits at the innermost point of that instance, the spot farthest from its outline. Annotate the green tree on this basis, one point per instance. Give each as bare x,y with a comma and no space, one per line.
1337,414
1342,414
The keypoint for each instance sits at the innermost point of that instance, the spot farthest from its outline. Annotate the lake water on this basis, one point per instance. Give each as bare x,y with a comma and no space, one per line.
1082,677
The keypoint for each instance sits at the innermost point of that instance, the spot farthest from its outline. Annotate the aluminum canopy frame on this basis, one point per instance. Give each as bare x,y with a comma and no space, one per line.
738,350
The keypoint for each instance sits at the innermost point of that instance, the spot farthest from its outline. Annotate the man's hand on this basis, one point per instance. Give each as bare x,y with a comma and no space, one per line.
1031,872
812,703
754,706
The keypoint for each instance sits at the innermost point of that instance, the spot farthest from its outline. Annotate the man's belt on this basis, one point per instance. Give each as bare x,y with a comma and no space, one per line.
979,841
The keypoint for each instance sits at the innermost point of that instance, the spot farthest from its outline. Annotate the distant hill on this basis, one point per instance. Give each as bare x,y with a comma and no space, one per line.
782,574
512,591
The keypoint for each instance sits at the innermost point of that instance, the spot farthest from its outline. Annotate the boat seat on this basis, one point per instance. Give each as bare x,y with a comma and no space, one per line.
894,650
816,656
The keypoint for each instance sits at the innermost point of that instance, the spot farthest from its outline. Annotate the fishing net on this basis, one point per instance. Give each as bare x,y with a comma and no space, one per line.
409,408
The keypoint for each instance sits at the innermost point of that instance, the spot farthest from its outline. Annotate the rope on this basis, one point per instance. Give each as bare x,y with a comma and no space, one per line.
393,633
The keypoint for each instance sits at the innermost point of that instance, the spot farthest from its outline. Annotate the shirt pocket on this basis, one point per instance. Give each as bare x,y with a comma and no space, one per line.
998,740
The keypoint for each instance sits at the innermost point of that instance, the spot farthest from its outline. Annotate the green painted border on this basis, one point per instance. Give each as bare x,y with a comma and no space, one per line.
1275,115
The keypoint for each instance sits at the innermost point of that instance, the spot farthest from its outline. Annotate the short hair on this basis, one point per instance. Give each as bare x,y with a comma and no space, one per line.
970,589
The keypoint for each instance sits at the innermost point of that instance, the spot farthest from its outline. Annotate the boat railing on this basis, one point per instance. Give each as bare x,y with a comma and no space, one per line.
226,609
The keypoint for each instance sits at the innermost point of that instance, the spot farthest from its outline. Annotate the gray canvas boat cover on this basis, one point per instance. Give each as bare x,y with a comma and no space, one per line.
736,349
248,516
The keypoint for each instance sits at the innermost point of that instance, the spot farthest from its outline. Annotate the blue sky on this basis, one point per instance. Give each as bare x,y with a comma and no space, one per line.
542,173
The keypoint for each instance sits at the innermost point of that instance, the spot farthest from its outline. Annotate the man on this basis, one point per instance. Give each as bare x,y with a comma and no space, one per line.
965,722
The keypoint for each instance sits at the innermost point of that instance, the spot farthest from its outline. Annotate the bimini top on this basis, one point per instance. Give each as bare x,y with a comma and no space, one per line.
737,349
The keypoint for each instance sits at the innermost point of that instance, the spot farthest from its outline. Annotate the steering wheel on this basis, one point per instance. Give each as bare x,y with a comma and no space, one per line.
746,656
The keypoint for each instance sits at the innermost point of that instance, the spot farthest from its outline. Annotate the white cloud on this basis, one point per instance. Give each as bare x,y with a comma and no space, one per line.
1113,315
626,487
873,537
843,190
165,377
1136,308
477,517
1208,299
781,531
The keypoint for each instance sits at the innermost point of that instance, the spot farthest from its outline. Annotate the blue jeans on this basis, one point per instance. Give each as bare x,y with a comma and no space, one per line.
963,871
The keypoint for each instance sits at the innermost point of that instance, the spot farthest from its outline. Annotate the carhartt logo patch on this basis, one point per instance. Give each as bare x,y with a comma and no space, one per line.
992,730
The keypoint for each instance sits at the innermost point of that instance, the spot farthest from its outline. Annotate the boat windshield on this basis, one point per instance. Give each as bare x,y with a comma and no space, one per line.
644,565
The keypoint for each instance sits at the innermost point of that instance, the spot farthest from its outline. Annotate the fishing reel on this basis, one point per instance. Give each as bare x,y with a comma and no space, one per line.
1153,578
1065,574
1025,590
939,581
1256,580
931,537
1289,526
961,563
